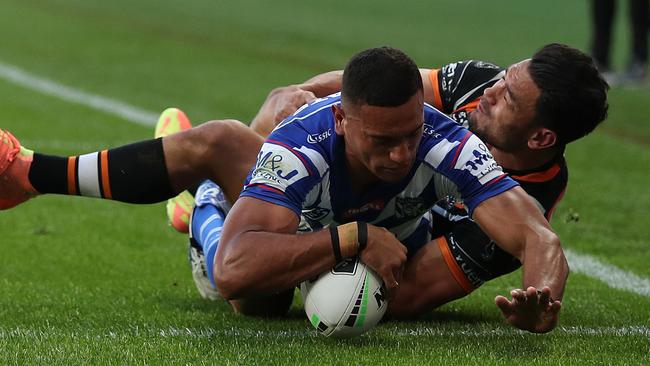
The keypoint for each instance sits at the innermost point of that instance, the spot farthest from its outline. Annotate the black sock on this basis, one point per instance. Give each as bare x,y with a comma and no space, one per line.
134,173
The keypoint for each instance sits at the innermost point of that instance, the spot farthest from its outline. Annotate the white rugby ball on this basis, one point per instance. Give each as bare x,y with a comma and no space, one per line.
345,301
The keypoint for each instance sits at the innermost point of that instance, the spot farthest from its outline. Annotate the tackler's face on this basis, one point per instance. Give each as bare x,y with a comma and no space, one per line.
505,116
382,140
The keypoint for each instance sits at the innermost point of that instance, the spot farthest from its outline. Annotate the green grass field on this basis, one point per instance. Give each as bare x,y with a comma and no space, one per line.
84,281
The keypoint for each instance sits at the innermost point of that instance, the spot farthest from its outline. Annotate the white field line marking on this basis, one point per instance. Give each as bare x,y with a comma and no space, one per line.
77,146
611,275
173,332
111,106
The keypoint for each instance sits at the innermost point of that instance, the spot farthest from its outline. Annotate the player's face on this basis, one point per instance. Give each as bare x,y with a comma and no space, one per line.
505,116
382,141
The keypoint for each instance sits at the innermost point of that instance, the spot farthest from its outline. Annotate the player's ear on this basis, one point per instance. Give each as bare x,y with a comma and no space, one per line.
339,117
542,138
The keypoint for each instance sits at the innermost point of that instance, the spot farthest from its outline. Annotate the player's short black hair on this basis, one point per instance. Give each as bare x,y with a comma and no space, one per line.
573,98
382,76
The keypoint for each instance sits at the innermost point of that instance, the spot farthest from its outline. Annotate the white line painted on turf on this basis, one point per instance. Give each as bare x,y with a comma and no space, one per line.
173,332
609,274
468,331
46,86
578,331
76,146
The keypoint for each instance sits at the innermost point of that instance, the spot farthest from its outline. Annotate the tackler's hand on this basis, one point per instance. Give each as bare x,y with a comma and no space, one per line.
531,310
288,99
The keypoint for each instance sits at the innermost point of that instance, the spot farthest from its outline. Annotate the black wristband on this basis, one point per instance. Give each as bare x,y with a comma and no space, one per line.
362,235
336,247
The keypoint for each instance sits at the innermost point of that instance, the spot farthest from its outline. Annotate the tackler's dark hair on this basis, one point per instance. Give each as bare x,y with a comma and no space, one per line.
573,99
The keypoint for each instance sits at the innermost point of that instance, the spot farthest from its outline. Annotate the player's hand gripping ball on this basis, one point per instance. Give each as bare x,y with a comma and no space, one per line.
345,301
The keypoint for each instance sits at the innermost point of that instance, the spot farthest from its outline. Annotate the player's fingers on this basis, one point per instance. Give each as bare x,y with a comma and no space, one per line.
285,112
503,304
309,96
531,294
301,99
397,273
391,284
555,307
544,297
399,257
518,295
398,269
404,251
501,300
280,116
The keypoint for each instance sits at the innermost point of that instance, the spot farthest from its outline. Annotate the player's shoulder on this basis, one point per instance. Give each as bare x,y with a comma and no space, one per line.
462,82
440,135
447,145
311,125
462,71
306,138
439,126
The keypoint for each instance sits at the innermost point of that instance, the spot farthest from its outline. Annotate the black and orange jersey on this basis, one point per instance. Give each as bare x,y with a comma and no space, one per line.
457,89
469,253
546,184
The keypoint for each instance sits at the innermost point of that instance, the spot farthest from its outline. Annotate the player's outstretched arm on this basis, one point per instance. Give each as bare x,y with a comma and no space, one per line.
261,254
512,220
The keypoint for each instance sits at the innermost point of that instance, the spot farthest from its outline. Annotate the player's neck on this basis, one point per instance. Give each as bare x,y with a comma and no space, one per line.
360,177
523,160
361,180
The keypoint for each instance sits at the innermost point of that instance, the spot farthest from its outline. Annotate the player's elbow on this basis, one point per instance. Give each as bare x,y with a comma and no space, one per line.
232,277
230,285
226,286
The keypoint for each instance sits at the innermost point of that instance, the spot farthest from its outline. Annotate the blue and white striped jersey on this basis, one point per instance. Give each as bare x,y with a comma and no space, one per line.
301,166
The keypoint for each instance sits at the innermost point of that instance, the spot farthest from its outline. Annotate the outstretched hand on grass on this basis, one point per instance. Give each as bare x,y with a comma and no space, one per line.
530,310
